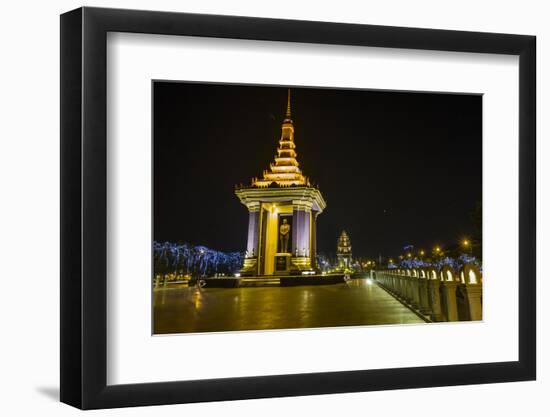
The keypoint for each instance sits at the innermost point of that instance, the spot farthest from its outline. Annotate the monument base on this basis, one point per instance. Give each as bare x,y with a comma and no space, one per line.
285,264
250,267
301,264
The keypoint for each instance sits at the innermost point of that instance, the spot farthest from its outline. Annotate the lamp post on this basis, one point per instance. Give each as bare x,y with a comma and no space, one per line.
201,255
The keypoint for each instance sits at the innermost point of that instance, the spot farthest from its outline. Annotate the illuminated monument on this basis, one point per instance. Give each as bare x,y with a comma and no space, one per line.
283,207
343,251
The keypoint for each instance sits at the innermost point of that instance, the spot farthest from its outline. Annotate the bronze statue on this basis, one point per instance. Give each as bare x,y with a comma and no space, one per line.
284,233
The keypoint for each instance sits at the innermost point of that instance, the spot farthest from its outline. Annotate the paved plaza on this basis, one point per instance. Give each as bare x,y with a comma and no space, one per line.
358,302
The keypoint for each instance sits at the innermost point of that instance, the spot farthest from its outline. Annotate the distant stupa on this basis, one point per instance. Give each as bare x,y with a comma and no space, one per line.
343,251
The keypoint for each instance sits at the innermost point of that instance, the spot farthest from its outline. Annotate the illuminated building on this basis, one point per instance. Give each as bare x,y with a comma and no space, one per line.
343,251
283,207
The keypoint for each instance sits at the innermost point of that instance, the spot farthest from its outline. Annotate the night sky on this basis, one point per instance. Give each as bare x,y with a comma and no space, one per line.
395,168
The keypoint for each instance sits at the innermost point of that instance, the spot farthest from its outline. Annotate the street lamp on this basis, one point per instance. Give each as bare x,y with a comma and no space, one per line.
467,245
201,255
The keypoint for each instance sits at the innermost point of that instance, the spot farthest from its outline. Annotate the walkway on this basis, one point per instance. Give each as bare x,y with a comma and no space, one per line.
359,302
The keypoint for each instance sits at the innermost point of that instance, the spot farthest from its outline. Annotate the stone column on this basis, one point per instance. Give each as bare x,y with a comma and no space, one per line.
407,285
449,288
253,229
301,230
401,285
415,294
474,293
435,299
313,243
471,278
424,304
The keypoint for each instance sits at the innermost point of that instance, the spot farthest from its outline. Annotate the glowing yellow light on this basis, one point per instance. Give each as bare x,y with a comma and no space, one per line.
466,242
437,249
409,255
472,277
421,253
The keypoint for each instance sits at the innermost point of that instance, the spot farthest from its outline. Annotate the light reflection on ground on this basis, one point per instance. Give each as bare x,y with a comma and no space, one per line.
185,310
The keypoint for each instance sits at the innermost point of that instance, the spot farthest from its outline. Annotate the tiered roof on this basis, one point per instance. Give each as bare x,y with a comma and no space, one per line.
344,243
284,171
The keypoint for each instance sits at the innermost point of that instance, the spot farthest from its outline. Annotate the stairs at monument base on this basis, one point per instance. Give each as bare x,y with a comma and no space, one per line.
260,282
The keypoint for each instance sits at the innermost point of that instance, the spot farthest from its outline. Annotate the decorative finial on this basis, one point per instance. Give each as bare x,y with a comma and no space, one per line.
288,106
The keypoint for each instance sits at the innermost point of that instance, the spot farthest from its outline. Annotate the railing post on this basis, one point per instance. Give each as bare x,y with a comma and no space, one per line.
424,304
472,281
409,287
450,283
415,289
401,285
433,291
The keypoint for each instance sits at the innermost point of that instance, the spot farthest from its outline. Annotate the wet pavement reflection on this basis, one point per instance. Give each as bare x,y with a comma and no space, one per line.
358,302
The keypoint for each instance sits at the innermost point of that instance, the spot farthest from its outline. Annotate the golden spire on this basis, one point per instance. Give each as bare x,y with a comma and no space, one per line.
287,116
284,171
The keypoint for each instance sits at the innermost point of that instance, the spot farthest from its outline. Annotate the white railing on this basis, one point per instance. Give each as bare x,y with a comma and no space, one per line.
440,295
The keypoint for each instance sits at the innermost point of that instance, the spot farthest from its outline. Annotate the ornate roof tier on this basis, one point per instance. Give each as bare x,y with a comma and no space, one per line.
309,196
285,171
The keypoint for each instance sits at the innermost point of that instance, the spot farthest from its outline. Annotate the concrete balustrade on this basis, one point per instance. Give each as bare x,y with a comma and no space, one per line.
436,295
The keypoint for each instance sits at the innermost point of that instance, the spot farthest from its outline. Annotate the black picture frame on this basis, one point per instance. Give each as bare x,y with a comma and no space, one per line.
84,206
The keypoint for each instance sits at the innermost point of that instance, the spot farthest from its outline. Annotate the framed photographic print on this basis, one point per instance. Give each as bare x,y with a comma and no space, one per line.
257,208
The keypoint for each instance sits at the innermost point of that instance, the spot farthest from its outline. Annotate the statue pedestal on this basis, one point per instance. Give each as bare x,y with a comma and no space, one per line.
282,263
250,267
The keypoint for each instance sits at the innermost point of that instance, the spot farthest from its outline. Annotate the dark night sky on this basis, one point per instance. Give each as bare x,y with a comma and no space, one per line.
395,168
